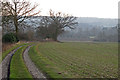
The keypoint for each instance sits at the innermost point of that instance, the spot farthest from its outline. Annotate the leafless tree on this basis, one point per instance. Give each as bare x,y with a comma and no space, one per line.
18,11
60,21
57,22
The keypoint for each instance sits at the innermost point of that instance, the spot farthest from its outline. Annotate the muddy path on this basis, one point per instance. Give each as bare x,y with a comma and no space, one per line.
5,65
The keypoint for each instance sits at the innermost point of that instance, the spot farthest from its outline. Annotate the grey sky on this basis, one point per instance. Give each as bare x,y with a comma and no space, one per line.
81,8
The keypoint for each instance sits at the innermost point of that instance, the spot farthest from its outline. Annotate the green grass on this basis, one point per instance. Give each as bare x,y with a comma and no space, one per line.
18,68
76,60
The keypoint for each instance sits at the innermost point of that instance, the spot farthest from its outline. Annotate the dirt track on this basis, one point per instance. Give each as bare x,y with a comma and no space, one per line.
31,66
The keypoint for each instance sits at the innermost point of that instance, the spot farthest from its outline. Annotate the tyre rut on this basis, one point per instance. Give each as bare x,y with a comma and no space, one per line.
37,75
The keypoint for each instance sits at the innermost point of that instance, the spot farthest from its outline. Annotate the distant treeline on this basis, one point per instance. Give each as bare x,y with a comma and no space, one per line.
100,34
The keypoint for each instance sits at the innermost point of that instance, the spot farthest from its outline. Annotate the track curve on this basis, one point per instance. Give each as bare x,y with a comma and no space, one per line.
31,66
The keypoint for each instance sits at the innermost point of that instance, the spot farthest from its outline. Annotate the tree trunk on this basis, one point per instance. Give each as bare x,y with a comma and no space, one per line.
16,20
55,38
16,25
56,35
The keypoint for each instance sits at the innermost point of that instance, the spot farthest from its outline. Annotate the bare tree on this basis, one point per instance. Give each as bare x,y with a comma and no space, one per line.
60,21
57,22
18,11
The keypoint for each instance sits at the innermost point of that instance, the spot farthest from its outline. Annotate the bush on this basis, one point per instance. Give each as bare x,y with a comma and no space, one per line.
10,37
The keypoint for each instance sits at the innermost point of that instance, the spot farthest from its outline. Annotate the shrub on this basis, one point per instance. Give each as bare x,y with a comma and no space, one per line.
10,37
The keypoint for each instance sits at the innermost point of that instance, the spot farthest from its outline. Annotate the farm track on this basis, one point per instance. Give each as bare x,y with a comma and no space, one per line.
5,64
31,66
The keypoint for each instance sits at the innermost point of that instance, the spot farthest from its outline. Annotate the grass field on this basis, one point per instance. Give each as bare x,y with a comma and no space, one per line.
76,59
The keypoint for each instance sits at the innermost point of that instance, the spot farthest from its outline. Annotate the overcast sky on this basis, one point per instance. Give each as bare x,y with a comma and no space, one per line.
81,8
